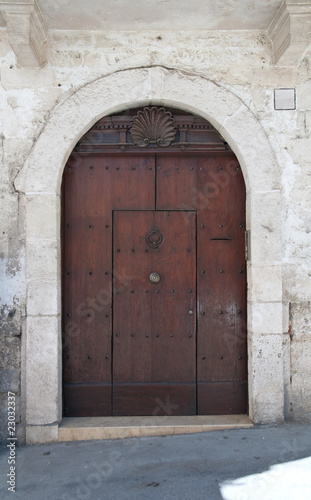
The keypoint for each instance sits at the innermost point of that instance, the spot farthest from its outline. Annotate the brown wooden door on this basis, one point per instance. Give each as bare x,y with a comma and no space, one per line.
92,188
154,339
111,366
213,185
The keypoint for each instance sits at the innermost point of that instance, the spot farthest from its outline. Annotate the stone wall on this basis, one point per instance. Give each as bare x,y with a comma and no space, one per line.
240,62
12,273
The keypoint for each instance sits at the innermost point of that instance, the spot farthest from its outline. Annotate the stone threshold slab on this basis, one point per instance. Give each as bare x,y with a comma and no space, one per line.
88,428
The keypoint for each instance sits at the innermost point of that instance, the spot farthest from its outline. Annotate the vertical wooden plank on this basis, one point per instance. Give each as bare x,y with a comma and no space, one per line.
93,187
177,182
222,342
154,323
213,185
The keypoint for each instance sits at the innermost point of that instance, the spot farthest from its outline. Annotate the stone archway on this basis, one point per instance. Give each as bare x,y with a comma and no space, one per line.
40,181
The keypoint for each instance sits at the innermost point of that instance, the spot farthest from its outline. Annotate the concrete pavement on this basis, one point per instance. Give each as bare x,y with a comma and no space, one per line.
180,467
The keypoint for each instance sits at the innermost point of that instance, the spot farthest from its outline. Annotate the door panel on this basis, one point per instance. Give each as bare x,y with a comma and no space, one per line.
154,343
214,186
222,398
93,187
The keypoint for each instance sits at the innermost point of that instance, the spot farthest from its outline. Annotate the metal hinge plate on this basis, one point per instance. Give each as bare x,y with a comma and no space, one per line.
247,245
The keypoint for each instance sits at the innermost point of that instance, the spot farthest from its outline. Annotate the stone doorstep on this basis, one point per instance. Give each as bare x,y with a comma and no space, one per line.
88,428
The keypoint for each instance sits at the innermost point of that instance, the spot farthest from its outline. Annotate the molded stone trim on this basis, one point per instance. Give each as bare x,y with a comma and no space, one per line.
26,30
289,31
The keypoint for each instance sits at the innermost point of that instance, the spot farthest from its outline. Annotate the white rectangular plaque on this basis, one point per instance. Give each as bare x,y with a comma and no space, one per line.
284,99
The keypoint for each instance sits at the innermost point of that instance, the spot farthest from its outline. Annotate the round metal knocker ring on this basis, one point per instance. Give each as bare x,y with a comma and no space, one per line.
154,278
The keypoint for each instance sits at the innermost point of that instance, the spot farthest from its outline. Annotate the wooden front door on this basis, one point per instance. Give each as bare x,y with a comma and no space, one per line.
213,186
92,189
154,302
133,345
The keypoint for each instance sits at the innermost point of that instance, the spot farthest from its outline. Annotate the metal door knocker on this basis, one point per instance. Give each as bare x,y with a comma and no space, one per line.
154,238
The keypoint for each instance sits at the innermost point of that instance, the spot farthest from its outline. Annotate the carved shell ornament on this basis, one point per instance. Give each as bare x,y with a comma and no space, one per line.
153,126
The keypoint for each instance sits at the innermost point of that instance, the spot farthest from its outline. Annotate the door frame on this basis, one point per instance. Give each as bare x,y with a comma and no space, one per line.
39,183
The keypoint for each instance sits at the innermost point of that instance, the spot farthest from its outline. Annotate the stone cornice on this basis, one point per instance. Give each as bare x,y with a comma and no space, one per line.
26,30
290,31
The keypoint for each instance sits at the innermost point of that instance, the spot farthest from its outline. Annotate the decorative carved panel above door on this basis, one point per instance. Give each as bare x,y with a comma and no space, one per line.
151,128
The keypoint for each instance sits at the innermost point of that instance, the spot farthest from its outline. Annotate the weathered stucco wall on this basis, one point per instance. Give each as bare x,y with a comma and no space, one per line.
240,64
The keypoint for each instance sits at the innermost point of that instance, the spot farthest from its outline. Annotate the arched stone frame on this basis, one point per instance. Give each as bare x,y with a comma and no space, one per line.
40,181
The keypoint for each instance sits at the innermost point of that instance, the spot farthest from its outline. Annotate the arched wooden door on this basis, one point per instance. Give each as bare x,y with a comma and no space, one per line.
154,275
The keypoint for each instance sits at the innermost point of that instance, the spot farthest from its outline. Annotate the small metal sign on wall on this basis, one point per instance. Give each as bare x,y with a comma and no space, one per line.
284,99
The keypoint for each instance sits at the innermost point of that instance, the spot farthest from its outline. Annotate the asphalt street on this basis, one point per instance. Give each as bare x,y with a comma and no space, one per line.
180,467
